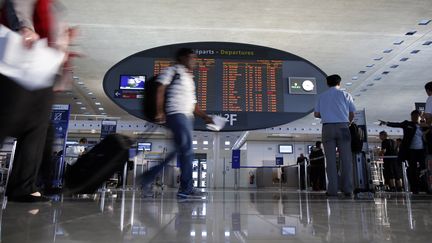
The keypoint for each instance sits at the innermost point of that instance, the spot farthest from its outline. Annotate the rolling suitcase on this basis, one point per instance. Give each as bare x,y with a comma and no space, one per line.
362,182
97,165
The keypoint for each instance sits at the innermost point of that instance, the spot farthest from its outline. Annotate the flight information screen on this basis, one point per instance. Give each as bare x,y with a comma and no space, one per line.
252,86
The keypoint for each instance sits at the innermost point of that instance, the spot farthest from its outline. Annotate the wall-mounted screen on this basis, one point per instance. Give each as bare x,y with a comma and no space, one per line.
285,148
288,230
145,146
132,82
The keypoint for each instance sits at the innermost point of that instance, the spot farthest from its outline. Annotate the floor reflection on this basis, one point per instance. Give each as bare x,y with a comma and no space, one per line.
225,216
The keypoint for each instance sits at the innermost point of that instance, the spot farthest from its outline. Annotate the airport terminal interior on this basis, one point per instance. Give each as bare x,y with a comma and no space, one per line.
261,66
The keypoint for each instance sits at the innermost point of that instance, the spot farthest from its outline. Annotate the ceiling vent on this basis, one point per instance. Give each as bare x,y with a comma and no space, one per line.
415,51
394,66
398,42
370,65
388,50
411,32
377,78
378,58
425,22
385,72
362,72
404,59
427,43
370,85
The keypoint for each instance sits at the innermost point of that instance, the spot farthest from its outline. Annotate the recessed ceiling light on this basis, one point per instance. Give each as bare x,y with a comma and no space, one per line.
78,103
378,58
75,77
370,84
415,51
424,21
363,90
404,59
227,142
205,142
83,108
90,93
427,43
343,89
195,148
101,108
398,42
370,65
103,113
388,50
354,78
205,148
411,32
394,66
362,72
97,103
194,142
348,84
377,78
81,83
227,148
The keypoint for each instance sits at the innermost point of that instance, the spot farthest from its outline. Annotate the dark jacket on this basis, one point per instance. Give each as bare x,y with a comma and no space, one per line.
409,130
316,157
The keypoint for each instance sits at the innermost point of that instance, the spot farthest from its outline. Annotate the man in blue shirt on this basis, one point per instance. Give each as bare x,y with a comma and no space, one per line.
336,110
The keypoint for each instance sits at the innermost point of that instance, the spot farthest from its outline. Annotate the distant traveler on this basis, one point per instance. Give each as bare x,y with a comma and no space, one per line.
412,148
317,167
336,110
302,161
392,166
178,112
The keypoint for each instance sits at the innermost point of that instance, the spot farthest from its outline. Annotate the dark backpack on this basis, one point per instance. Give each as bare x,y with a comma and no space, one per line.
150,95
357,138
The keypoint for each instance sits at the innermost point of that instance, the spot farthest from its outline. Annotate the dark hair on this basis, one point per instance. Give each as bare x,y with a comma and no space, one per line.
318,144
383,133
333,80
83,140
183,52
415,113
428,86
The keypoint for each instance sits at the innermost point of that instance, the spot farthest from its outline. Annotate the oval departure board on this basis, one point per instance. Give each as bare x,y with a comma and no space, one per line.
252,86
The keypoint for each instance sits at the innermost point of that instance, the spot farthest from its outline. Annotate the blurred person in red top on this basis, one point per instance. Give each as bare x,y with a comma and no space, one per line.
24,114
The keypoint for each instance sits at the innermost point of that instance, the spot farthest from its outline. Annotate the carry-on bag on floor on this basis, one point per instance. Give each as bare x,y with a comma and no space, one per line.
362,182
96,166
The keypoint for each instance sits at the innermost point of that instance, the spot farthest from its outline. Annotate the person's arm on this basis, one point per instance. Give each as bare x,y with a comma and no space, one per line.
351,116
351,108
160,101
393,124
198,112
24,10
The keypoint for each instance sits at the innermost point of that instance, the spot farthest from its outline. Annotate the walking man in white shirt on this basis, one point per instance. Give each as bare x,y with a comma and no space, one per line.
336,110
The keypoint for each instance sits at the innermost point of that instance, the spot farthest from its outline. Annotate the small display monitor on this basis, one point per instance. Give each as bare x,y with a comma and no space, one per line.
288,230
285,148
145,146
132,82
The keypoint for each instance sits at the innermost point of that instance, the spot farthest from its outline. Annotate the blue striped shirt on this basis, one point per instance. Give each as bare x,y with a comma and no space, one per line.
334,106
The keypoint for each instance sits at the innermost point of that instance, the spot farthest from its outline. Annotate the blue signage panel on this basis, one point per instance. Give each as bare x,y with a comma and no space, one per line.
252,86
108,127
60,120
279,160
235,159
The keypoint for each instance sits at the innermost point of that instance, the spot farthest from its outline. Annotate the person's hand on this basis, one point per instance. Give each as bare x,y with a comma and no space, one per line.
29,36
208,120
160,118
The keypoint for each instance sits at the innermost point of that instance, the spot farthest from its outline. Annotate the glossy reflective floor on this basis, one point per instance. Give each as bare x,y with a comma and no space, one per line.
225,216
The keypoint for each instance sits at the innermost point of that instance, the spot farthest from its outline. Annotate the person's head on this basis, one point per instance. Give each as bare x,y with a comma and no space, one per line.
333,80
301,155
415,116
83,141
398,141
383,135
186,57
428,88
318,144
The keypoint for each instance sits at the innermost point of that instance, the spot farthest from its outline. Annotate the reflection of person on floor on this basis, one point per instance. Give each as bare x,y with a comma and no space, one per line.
317,168
302,161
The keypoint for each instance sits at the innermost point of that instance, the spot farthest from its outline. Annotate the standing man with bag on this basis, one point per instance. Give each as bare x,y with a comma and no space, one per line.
336,110
176,106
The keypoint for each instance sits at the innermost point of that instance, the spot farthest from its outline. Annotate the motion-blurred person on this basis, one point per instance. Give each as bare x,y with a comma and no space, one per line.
412,148
302,162
24,114
428,108
317,165
180,107
392,166
336,110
